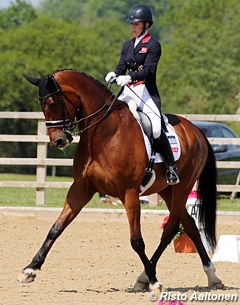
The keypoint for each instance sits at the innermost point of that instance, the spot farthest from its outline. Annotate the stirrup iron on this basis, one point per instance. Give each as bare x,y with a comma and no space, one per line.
172,175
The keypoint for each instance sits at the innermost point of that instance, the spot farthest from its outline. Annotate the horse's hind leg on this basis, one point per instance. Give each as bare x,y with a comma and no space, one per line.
191,229
73,205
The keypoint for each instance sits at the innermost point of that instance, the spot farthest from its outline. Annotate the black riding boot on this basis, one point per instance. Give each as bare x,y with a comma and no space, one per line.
163,147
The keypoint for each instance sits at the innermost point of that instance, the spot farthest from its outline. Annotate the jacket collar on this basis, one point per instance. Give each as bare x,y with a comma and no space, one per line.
145,38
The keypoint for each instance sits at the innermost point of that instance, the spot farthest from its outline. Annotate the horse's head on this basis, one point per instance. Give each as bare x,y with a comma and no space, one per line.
58,109
69,98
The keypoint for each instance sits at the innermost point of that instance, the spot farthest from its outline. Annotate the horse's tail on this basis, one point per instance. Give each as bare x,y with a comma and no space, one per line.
207,190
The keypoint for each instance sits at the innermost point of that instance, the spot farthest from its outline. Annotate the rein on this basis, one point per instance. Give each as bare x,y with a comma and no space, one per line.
96,112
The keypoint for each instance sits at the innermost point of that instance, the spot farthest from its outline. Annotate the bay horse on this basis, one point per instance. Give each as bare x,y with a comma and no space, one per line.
111,158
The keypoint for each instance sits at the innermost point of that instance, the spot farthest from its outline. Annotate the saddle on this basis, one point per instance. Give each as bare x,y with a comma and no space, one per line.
146,125
150,174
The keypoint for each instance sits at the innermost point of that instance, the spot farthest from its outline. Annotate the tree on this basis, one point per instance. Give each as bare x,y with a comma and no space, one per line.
87,12
16,15
199,70
36,51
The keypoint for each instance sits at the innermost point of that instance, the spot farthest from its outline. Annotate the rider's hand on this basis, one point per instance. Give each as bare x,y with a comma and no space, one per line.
110,77
123,80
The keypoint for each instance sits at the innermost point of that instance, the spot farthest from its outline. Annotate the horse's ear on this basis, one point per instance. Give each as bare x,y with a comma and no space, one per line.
32,80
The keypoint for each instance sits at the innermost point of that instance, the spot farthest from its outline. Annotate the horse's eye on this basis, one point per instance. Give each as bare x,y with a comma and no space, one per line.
52,105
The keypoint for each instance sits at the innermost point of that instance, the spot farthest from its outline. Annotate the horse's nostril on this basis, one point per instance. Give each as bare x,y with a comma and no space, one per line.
59,143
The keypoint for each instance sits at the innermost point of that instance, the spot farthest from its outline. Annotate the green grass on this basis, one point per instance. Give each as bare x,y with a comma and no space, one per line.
56,197
229,205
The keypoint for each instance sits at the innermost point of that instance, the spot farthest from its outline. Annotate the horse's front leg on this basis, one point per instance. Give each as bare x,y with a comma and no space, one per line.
144,279
74,203
132,206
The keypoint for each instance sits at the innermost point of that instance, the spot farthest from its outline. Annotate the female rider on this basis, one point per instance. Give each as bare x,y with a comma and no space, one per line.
140,57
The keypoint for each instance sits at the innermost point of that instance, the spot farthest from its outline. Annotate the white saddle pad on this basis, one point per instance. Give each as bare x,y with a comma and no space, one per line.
173,140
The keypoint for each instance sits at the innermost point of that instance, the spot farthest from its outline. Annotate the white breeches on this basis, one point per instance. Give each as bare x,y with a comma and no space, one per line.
145,103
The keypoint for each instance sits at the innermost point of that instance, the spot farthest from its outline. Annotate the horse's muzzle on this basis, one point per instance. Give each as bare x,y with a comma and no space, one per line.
61,140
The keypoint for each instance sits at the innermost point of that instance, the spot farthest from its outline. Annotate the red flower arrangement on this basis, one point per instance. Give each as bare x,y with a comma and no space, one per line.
165,220
182,242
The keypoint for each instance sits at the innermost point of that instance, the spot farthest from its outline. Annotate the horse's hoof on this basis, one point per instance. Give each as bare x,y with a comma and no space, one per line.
218,285
26,276
141,287
142,283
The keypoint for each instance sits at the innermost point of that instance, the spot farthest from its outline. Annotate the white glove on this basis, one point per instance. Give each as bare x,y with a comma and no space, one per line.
123,80
110,77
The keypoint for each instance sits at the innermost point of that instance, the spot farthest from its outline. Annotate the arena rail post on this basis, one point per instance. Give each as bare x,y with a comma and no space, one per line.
41,171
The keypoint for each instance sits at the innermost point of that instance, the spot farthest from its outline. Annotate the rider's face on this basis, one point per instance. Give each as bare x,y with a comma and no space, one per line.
137,28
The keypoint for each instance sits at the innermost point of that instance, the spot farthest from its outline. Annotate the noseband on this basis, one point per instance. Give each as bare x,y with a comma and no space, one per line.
66,123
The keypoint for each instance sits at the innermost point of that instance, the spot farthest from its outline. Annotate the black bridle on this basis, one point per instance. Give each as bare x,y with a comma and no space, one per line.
49,88
66,122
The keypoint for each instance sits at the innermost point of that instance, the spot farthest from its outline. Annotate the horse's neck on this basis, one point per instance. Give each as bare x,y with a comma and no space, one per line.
93,99
96,105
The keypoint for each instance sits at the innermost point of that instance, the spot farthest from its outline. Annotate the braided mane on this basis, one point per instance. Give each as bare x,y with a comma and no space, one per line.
87,76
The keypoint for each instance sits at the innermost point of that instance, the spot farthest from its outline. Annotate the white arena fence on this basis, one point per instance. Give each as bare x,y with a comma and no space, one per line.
42,161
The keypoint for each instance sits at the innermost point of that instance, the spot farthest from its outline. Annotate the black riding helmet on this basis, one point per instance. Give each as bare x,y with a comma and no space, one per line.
140,13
